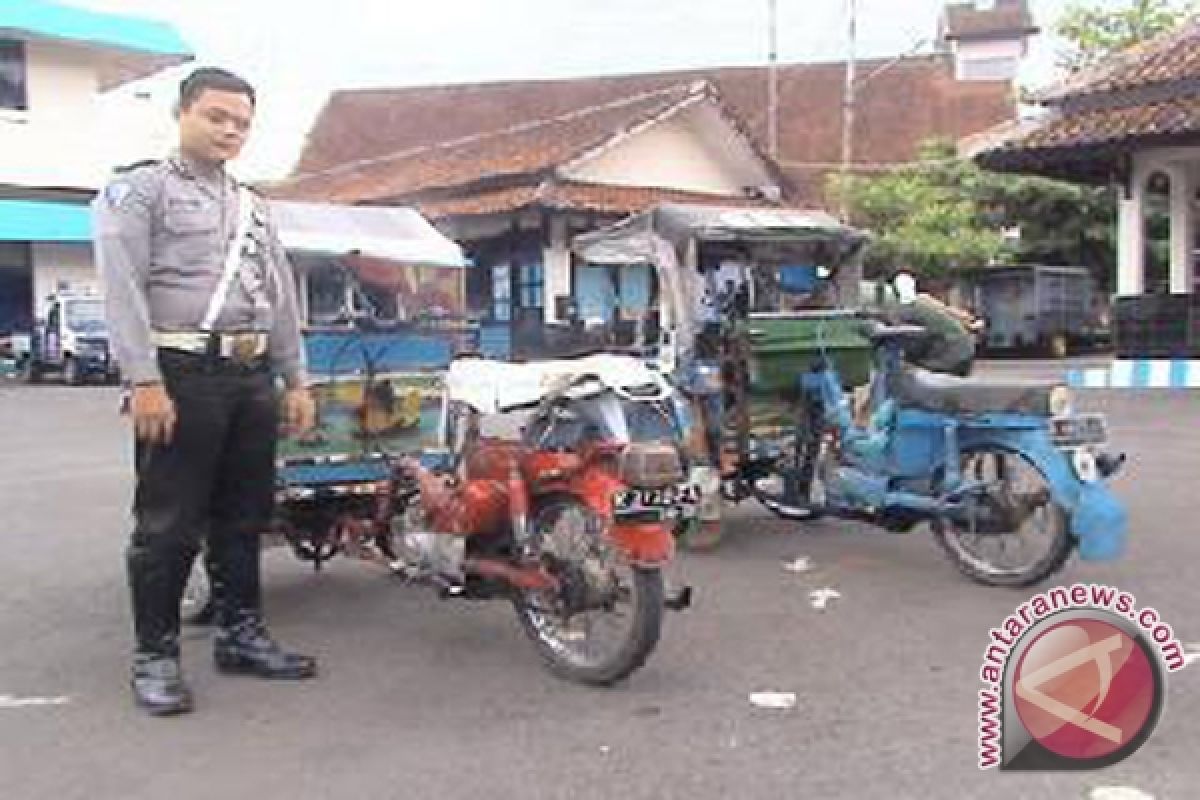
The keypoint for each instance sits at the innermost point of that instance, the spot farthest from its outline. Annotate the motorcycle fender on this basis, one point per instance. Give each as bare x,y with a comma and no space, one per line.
1098,520
644,544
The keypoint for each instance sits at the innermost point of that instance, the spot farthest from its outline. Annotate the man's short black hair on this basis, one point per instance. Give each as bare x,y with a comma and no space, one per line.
214,78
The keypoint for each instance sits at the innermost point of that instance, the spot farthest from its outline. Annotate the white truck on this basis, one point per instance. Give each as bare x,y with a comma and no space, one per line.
71,340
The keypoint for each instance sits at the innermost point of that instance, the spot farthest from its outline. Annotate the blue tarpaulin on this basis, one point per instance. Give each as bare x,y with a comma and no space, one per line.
42,221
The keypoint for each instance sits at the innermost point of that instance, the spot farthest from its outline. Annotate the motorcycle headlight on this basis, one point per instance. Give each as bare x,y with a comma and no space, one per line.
1060,401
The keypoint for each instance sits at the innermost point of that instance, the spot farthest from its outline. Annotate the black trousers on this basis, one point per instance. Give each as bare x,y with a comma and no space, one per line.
213,482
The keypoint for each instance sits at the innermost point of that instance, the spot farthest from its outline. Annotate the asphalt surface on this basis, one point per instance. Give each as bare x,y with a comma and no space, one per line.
422,698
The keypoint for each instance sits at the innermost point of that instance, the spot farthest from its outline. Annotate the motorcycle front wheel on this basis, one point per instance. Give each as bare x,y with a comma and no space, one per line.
1035,546
606,617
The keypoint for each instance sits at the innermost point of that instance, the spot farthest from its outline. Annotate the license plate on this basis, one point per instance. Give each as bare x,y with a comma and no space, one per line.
637,500
1079,430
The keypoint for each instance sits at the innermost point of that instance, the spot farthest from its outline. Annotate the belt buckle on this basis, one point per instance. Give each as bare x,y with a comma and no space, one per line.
245,348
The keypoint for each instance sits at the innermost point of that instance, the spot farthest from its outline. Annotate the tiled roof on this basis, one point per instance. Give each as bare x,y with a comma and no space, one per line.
1006,18
899,108
618,200
1170,58
1105,126
1147,95
527,149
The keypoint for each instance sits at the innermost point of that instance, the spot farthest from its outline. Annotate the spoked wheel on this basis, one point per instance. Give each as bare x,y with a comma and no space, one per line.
1014,534
791,487
604,621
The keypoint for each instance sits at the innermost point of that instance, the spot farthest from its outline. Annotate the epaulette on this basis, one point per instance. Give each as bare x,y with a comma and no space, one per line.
147,162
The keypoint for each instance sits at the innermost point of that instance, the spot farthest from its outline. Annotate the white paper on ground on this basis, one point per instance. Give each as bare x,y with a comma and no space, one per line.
779,701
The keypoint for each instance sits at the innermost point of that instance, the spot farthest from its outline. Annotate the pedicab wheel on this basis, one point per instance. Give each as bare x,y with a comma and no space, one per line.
197,608
793,489
605,620
1036,546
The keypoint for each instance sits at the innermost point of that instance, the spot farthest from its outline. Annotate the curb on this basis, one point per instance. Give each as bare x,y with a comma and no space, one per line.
1139,374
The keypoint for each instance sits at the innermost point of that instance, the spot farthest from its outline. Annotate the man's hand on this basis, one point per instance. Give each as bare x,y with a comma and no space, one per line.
299,412
153,413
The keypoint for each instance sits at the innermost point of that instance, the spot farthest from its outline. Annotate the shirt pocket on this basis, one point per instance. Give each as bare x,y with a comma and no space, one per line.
190,237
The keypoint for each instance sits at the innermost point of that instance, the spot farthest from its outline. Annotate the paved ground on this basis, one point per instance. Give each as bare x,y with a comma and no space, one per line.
428,699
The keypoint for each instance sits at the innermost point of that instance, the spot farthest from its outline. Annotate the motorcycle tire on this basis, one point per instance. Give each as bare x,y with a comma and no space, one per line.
1058,541
645,591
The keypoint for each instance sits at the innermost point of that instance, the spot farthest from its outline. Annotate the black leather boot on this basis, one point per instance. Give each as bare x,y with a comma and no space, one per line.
158,685
156,573
243,646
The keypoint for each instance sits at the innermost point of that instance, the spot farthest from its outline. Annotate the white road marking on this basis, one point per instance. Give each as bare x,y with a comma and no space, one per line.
776,701
1118,793
1191,653
9,701
820,597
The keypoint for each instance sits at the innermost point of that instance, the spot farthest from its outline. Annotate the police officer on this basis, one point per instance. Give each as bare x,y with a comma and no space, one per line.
203,317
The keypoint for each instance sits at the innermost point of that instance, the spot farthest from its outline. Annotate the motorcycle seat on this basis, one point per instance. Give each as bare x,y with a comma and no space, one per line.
913,387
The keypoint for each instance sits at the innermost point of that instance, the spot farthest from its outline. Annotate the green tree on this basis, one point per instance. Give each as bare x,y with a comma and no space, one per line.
1093,33
942,215
923,216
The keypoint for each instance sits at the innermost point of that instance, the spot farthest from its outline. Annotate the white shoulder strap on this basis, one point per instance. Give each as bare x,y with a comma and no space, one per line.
233,259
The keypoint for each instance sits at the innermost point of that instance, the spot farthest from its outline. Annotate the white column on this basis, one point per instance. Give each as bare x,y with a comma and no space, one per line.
556,269
1131,238
1182,229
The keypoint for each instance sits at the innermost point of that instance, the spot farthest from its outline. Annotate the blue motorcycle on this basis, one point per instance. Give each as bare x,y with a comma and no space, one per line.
1010,480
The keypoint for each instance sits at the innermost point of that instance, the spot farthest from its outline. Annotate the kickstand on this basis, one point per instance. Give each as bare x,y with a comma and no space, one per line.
680,600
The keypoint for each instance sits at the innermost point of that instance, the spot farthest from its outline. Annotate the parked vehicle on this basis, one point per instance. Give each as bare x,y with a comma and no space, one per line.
994,468
71,340
729,332
1047,308
1010,479
573,521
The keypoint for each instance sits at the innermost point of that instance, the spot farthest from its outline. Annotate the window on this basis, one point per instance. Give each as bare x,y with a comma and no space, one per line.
530,282
989,69
12,76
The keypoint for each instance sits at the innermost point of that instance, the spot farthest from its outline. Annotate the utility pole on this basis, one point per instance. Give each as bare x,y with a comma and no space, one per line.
773,78
848,102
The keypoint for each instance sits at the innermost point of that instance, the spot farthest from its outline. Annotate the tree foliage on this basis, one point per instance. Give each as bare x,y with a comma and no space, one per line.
943,214
1092,32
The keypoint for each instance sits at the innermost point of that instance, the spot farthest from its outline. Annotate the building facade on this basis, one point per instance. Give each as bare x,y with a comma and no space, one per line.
57,145
1132,122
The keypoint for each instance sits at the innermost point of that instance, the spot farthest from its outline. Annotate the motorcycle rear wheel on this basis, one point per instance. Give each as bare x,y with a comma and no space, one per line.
1043,533
567,536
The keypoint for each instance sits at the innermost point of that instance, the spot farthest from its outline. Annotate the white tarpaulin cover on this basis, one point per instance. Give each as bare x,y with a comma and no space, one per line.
392,233
492,387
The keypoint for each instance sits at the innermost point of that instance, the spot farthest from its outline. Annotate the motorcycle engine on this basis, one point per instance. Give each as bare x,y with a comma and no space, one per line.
424,553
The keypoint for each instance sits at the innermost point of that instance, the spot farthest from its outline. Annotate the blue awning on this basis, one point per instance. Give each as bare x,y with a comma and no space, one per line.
138,46
42,221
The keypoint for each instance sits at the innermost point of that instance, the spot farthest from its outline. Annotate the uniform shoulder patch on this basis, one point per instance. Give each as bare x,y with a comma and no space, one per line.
117,192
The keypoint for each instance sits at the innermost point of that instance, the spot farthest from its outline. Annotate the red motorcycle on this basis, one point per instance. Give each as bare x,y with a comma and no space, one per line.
573,518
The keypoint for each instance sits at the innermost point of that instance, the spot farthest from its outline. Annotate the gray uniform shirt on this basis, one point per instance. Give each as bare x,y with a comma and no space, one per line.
162,231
